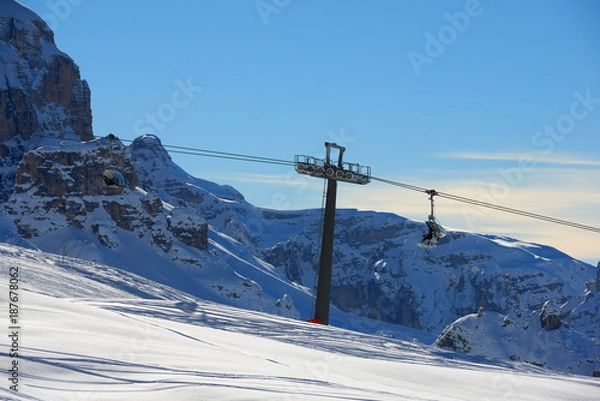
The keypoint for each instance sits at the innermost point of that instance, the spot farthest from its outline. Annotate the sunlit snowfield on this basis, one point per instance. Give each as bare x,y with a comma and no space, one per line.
86,336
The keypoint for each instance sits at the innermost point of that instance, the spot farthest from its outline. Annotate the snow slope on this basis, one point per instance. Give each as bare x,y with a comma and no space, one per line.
92,332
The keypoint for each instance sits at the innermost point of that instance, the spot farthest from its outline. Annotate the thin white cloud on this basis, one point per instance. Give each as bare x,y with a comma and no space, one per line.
524,157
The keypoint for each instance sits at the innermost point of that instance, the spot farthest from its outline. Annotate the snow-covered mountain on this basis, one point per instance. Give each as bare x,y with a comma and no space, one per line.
198,239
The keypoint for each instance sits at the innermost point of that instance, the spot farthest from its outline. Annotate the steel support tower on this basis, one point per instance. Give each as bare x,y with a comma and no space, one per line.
332,172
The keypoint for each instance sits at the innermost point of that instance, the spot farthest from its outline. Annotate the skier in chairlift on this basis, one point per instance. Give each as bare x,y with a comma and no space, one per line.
428,236
435,231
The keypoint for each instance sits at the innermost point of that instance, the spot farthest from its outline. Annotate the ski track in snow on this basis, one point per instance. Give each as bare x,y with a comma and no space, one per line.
92,332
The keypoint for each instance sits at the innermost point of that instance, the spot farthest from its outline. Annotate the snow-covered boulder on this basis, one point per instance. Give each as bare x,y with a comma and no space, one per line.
522,338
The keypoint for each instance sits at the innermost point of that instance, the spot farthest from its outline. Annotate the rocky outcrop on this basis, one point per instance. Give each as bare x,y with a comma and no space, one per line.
189,228
73,169
41,92
58,187
455,337
66,181
522,339
550,316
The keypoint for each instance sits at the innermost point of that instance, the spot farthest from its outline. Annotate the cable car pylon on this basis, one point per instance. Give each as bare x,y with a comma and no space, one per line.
332,172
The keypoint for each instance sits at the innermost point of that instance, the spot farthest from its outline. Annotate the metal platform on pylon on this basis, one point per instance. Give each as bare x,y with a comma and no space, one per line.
348,172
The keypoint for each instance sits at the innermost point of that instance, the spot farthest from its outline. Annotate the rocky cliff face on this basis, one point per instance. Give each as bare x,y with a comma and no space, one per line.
41,92
379,272
61,205
58,187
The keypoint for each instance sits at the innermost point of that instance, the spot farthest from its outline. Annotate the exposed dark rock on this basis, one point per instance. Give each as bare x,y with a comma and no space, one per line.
452,338
189,228
550,316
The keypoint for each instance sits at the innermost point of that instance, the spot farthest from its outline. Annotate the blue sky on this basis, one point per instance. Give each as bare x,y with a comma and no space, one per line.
491,99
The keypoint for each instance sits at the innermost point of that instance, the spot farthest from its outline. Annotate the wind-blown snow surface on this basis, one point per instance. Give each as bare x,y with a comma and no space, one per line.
92,332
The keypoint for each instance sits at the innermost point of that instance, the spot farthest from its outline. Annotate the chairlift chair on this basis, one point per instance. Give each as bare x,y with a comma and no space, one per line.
436,231
113,178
